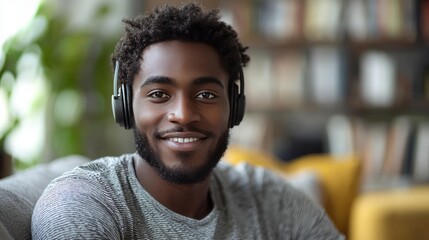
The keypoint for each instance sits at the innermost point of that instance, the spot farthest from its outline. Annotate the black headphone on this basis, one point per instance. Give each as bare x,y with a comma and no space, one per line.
121,102
123,109
237,101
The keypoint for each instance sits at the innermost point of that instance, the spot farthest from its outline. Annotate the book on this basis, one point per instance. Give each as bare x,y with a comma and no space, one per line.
340,135
356,19
372,16
279,19
410,16
323,19
423,19
397,143
241,16
325,74
374,151
378,79
407,166
420,166
259,80
289,78
390,19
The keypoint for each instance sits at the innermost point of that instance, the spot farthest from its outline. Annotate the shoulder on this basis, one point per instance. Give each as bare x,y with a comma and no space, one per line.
96,171
255,178
103,166
269,191
288,208
81,197
92,179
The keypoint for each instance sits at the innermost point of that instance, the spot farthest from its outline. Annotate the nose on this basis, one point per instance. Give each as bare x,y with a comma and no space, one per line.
183,111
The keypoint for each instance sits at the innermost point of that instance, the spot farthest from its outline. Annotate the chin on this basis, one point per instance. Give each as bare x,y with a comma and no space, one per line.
181,170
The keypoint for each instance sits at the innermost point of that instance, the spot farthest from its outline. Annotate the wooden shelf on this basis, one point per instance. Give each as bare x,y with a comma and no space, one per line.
301,43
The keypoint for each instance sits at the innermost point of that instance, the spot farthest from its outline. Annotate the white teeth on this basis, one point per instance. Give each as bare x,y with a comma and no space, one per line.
183,140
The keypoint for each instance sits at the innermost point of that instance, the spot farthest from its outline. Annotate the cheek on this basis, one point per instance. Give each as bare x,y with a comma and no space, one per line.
219,117
146,117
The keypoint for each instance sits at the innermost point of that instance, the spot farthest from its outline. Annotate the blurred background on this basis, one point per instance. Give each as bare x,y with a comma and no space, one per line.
326,76
336,77
56,79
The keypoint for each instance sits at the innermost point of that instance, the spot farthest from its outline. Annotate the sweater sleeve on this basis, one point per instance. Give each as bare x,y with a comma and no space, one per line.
75,208
324,229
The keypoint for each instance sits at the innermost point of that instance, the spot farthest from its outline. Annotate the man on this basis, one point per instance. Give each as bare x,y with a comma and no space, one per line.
179,69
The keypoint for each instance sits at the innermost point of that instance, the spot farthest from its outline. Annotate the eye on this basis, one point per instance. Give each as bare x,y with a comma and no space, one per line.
206,95
160,95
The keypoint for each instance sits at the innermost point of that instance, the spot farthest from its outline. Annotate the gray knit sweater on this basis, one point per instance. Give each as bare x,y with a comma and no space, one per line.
104,200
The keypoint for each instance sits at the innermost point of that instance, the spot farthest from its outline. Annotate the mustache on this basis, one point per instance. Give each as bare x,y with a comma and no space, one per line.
177,129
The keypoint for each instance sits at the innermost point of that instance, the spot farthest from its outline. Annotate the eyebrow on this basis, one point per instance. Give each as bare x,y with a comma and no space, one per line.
157,80
168,81
207,80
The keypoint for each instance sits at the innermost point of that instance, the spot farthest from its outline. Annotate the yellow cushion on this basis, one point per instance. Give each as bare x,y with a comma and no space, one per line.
339,177
393,215
339,180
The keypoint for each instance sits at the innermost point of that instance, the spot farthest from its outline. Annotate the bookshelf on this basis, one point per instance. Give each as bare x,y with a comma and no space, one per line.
314,62
365,62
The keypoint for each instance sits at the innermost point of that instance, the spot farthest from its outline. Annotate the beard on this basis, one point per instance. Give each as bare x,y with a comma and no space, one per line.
180,175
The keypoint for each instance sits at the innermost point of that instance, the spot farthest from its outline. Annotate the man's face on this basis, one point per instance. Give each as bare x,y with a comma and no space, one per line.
181,110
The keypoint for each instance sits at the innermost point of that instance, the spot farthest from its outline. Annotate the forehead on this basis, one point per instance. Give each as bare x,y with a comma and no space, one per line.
181,59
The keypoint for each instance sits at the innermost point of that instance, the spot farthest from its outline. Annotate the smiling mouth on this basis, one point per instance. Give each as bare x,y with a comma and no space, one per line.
183,140
184,144
181,135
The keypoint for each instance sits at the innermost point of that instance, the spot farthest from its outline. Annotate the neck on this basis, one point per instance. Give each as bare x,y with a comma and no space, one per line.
190,200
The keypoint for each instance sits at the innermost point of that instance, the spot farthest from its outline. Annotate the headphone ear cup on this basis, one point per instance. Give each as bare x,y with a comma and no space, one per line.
241,106
239,101
118,109
127,106
233,95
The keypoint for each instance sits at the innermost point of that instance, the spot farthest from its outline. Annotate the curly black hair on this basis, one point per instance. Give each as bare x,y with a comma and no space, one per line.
189,22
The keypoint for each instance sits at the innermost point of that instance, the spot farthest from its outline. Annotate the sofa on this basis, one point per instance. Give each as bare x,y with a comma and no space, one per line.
335,179
385,214
20,192
332,182
401,213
